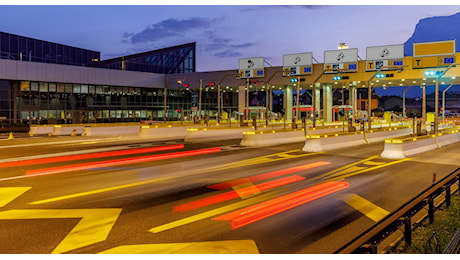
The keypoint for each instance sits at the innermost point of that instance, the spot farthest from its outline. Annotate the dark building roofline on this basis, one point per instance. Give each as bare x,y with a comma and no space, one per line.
127,57
52,42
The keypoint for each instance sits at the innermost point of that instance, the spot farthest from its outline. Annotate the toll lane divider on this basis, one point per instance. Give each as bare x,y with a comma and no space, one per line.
212,134
407,147
110,163
251,214
89,156
322,143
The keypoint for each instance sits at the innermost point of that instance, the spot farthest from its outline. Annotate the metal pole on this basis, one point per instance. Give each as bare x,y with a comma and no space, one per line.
444,101
436,106
423,105
404,101
247,100
407,232
314,103
218,104
369,111
164,102
199,102
297,111
266,105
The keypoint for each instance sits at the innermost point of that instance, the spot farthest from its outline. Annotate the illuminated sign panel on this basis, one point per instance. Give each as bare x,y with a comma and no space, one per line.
345,60
433,54
251,67
297,64
380,56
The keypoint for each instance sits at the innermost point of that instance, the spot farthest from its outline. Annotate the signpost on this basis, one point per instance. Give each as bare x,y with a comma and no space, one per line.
433,54
250,68
298,64
345,60
384,56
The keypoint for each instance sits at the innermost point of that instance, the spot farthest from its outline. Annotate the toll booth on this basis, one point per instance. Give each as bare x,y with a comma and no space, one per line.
257,112
306,111
341,113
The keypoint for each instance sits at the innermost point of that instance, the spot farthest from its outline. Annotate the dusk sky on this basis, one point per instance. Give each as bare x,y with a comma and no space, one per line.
224,33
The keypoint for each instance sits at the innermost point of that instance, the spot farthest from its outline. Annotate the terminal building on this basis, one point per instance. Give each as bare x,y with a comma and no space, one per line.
44,82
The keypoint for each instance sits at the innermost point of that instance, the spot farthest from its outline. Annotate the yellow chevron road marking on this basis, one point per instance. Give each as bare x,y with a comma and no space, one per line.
212,247
366,207
8,194
94,226
340,175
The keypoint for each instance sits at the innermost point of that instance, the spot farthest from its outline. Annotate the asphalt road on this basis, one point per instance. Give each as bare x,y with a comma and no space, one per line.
88,195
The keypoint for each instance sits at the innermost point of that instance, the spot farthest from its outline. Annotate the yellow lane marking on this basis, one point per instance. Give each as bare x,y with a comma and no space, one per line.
262,159
339,176
212,247
98,191
8,194
211,213
366,207
373,163
349,165
94,226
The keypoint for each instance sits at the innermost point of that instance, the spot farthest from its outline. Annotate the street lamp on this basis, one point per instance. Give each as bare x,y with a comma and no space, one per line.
178,80
436,96
369,95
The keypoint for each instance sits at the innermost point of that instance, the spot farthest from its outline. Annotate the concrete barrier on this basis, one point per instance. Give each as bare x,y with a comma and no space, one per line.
163,133
269,138
379,136
403,148
317,143
41,130
111,130
67,129
209,134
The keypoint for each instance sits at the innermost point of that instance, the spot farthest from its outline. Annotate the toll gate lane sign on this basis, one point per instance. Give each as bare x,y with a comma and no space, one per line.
387,55
345,60
251,68
433,54
298,64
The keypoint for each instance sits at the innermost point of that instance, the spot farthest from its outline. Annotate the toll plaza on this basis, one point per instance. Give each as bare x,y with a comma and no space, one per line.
302,82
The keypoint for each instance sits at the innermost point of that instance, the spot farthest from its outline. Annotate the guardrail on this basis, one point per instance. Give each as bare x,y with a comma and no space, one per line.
368,240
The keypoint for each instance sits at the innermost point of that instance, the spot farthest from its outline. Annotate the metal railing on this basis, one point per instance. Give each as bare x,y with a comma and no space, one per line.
368,240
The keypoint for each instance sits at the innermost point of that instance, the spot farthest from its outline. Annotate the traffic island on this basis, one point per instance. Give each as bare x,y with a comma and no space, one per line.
400,148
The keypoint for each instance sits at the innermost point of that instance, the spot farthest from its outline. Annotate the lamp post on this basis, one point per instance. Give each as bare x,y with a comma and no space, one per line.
436,96
166,95
404,101
444,101
369,95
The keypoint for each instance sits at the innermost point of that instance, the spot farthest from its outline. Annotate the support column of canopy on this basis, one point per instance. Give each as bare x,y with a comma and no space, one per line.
327,102
288,102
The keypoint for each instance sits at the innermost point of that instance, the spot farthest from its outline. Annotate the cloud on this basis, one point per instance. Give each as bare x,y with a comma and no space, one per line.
228,54
168,28
265,7
222,47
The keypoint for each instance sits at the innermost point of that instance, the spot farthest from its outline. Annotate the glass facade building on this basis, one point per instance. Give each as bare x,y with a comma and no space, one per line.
176,59
51,103
15,47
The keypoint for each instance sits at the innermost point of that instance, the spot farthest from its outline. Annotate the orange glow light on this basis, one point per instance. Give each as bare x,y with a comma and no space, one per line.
234,194
89,156
87,166
248,215
226,185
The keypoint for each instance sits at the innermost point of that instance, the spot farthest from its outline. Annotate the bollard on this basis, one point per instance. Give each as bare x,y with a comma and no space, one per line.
254,123
434,178
73,132
11,136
